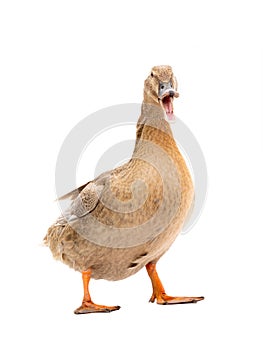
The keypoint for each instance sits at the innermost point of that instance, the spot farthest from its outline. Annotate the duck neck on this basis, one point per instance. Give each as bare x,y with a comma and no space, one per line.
152,124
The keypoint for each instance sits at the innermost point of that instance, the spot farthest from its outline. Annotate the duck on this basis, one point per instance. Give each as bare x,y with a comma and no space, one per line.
127,218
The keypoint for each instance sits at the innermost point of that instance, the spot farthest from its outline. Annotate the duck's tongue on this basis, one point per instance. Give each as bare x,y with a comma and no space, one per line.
168,106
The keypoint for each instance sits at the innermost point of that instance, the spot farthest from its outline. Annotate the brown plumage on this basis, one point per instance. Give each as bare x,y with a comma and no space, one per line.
128,218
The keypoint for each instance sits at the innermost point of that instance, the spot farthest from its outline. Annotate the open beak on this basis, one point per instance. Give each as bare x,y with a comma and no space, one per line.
166,99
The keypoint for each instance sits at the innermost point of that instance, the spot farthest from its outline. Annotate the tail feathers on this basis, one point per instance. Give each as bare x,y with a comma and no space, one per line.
53,234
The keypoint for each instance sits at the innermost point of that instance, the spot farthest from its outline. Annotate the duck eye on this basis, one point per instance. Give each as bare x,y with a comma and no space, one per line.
151,74
162,87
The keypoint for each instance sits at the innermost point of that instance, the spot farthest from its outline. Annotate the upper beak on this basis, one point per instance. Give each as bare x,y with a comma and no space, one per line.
167,91
173,93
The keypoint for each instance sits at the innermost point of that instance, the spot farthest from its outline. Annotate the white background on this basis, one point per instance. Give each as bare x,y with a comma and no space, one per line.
61,61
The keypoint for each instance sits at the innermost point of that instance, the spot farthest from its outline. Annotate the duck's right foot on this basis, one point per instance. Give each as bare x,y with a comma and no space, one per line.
88,307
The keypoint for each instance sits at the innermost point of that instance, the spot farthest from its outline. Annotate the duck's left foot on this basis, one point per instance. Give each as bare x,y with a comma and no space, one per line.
159,293
164,299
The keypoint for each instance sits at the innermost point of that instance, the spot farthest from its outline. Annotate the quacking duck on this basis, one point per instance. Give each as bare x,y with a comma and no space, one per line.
127,218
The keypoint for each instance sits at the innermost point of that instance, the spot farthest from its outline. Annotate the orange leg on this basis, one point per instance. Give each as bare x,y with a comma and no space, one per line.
159,292
87,305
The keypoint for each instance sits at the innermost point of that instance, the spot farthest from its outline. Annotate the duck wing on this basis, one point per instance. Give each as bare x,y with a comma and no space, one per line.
84,203
74,194
83,200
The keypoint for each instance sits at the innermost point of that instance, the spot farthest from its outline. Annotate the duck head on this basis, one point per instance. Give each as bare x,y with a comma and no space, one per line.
160,89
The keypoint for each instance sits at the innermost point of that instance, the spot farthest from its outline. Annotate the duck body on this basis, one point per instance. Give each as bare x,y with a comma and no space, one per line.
112,241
